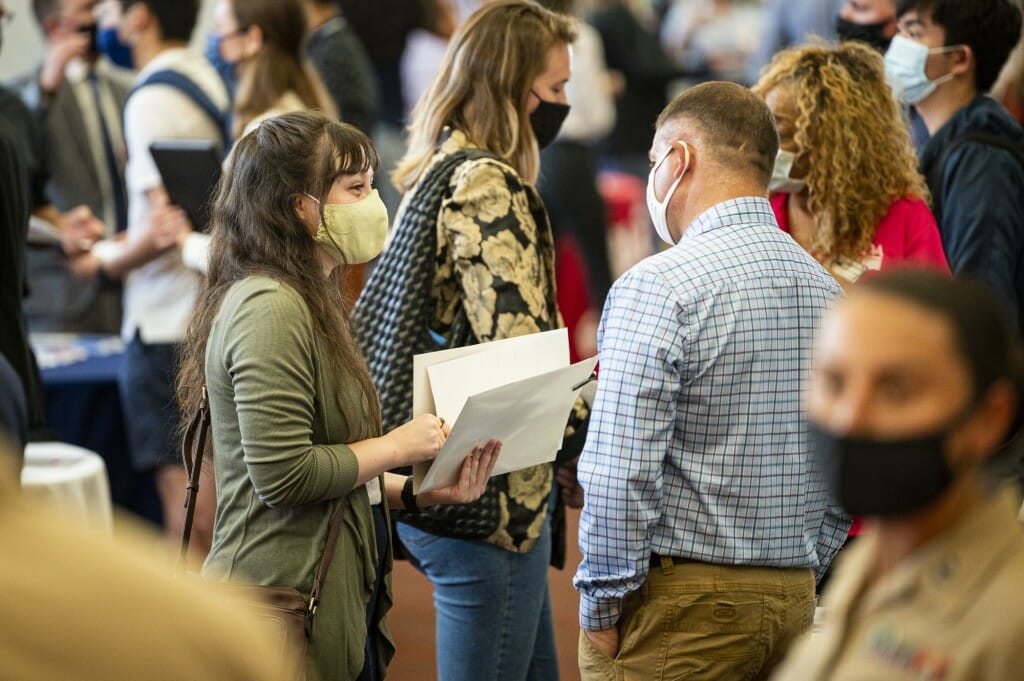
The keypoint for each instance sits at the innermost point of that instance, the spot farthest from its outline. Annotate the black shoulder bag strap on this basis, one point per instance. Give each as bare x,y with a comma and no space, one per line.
934,173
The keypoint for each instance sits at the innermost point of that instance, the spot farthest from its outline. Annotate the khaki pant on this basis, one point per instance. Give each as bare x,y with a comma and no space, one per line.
708,622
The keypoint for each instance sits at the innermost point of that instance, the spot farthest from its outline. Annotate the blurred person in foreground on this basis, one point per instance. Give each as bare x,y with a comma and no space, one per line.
915,393
82,606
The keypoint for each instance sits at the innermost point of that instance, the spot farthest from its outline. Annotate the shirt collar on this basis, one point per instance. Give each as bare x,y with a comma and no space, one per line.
745,210
948,570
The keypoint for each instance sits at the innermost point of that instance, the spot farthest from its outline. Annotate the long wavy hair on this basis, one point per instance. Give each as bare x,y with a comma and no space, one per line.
279,67
855,140
484,86
256,231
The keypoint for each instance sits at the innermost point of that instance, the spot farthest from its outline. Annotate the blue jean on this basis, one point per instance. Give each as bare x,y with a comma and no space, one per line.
493,607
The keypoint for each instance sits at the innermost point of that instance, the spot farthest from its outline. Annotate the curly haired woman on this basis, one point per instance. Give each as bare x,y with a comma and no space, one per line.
846,184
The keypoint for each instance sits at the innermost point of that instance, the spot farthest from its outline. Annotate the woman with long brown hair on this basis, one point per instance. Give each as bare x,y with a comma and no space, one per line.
295,417
471,260
846,184
257,48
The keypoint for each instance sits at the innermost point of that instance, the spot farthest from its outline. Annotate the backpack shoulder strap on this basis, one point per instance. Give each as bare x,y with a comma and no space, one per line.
934,173
188,87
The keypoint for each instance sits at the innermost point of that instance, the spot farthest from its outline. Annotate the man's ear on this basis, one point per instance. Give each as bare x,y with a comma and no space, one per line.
963,60
684,152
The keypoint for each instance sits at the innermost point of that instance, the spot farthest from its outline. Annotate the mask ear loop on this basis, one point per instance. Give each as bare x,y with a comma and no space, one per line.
686,166
672,189
326,231
942,80
686,159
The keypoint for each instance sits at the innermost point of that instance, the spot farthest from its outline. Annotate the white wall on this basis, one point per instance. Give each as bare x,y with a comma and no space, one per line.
23,43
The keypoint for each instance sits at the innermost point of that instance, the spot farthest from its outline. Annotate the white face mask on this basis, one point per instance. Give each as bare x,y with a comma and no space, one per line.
782,179
659,209
905,63
353,233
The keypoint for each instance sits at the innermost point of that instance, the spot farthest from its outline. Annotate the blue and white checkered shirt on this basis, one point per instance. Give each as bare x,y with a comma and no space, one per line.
697,444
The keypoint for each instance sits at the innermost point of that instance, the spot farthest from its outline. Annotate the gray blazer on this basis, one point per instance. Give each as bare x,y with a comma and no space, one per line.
57,301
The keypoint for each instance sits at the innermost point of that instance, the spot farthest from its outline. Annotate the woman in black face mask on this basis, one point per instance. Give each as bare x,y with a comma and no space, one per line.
471,260
868,21
914,405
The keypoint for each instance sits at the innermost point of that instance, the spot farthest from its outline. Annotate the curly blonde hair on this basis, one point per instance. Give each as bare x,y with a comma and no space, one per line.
855,139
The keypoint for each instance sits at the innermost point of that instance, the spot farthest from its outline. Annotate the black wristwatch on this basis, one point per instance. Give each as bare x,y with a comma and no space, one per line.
408,498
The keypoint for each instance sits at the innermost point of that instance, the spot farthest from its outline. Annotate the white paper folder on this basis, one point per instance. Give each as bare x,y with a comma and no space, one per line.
527,414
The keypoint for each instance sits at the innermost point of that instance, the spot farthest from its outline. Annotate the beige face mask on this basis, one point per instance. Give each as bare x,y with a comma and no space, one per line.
353,233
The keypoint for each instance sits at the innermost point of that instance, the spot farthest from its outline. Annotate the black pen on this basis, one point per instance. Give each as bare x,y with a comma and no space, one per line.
592,377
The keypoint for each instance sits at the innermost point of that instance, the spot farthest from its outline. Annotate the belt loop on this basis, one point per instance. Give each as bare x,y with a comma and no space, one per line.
667,566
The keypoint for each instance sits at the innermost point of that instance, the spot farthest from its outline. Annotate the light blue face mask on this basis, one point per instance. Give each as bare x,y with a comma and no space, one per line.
905,63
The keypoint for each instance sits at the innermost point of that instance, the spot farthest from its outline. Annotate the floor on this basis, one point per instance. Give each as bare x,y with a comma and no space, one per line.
412,618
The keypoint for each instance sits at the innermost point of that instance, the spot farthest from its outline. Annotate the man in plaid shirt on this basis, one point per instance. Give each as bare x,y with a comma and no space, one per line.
704,523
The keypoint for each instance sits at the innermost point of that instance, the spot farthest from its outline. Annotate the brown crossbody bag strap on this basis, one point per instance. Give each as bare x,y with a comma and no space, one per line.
193,447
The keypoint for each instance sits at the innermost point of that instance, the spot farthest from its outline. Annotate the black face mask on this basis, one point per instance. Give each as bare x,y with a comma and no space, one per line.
546,120
883,478
872,34
91,32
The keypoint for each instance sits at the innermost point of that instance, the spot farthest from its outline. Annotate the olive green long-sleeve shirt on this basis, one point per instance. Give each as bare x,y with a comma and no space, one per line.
279,421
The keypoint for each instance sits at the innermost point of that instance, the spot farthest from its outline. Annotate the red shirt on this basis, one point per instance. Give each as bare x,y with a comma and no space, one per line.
906,234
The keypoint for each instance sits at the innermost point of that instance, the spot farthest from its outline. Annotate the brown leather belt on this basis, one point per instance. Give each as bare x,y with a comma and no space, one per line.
656,560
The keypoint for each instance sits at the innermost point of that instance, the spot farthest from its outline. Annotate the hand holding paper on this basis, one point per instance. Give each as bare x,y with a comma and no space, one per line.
473,476
420,439
519,391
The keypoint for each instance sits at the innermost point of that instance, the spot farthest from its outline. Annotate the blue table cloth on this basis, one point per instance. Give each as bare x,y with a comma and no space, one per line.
83,407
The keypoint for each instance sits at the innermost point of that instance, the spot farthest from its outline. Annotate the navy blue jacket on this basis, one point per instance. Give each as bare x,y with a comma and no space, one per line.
979,200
